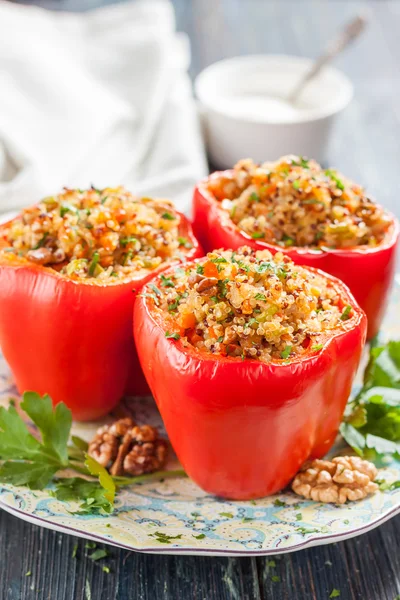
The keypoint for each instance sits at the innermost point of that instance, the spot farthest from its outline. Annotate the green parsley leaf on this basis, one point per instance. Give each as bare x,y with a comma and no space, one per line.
334,593
228,515
166,281
261,297
105,479
286,352
220,339
218,260
173,336
174,305
317,347
105,569
346,313
200,269
93,264
201,536
42,241
168,216
78,489
98,554
278,502
163,538
333,175
155,289
54,425
299,517
185,242
258,235
254,197
127,240
287,240
296,184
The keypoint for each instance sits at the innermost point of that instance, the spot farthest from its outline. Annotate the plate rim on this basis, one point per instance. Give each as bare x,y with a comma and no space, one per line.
310,542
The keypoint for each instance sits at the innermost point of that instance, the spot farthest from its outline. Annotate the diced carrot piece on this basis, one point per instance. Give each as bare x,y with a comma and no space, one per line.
210,269
187,320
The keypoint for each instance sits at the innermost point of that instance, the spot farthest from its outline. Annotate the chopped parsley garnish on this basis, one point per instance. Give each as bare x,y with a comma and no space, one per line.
98,554
254,197
218,260
185,242
200,269
94,263
296,184
168,216
42,241
174,305
172,336
260,297
288,241
163,538
220,339
334,593
278,502
222,288
166,281
228,515
65,207
346,313
155,289
286,352
299,517
302,162
332,175
258,235
127,240
317,347
201,536
264,266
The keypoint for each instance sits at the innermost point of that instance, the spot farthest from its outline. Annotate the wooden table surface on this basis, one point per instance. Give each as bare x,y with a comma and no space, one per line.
38,564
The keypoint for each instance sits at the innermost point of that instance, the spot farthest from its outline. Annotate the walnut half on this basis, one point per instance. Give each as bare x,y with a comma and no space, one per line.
125,448
338,480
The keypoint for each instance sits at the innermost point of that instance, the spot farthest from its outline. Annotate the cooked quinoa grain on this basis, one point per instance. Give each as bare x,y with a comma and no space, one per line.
295,202
97,233
249,304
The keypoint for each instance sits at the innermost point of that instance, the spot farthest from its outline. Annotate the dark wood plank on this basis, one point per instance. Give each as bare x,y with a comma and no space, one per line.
366,146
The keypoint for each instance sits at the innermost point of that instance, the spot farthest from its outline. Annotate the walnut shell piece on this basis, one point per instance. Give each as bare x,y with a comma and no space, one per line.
125,448
344,478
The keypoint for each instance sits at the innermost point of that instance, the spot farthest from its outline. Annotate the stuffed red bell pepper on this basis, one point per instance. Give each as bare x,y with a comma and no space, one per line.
317,217
70,269
251,359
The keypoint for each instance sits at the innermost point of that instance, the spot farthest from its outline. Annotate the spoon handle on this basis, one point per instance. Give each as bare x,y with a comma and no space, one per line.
350,32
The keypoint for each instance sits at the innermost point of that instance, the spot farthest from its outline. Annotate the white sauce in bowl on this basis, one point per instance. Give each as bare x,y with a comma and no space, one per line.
268,108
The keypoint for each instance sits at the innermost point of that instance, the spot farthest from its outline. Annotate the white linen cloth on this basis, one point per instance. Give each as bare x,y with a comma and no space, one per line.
101,97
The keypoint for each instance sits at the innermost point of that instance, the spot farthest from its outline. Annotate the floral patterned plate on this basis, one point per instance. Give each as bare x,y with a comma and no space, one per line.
174,516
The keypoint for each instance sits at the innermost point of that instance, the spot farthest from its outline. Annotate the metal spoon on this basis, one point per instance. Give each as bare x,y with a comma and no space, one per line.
350,32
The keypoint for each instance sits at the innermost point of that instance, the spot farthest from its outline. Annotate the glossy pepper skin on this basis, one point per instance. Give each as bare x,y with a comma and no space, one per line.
71,338
242,429
368,271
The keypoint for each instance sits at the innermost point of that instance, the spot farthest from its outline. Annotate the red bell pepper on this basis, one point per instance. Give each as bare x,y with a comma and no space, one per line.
368,271
242,429
72,339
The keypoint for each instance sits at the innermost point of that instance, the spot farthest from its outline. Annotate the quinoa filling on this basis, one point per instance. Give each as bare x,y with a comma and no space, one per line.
97,233
249,304
295,202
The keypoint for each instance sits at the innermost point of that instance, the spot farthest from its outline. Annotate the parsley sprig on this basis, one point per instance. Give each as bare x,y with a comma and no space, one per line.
36,462
371,424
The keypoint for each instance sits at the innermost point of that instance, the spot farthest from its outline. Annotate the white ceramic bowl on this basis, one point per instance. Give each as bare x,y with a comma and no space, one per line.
239,121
